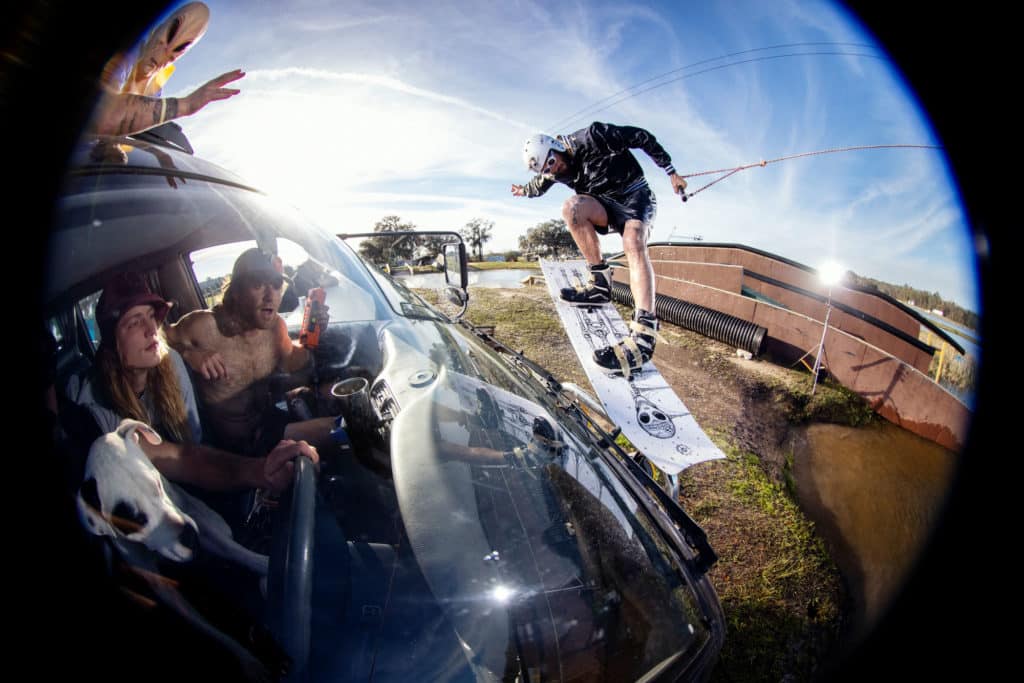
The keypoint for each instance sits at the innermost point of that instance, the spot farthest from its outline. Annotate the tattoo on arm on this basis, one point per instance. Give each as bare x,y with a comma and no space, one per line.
139,113
127,122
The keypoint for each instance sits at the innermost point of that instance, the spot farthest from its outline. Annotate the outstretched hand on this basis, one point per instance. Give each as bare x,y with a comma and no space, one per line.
279,465
519,190
212,90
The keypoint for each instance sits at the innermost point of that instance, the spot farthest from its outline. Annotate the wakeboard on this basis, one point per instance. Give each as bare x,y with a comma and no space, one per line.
644,406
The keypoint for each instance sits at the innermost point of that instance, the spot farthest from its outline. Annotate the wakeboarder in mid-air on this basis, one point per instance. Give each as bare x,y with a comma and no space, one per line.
612,194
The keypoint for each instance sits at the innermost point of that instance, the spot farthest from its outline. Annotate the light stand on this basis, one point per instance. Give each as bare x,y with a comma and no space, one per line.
829,274
821,344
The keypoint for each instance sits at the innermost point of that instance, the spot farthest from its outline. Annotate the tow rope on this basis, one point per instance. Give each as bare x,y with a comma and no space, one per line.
730,171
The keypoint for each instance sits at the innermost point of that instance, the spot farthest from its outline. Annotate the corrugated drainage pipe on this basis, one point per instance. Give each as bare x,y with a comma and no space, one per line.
722,327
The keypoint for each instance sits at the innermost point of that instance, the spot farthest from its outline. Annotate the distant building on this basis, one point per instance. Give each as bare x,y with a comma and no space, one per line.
937,312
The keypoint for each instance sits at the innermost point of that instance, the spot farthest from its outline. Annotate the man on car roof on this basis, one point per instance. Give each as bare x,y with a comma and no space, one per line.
234,349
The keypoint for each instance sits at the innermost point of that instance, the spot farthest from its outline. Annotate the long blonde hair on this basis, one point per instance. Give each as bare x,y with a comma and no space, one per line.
161,383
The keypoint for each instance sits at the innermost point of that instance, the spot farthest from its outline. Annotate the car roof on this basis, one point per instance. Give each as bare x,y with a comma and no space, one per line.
146,156
112,184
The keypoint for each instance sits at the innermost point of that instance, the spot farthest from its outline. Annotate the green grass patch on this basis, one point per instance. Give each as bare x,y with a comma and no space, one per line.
779,588
831,402
518,316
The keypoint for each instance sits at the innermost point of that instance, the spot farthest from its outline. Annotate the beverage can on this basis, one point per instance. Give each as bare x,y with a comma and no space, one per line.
313,319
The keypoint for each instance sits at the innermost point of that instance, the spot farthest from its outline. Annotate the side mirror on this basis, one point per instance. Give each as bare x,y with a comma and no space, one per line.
455,271
456,296
456,276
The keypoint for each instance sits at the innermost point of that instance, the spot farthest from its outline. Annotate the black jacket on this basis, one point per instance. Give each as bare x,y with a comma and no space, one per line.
600,162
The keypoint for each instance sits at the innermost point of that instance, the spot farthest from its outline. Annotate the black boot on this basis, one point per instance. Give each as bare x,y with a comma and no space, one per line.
597,291
630,353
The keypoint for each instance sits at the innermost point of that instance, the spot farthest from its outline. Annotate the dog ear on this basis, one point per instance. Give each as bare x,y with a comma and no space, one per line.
132,428
88,501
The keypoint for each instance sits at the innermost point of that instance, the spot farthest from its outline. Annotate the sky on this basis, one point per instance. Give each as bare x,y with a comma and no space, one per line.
351,111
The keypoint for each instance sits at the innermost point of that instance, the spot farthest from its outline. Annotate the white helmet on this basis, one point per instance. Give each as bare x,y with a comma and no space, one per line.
537,148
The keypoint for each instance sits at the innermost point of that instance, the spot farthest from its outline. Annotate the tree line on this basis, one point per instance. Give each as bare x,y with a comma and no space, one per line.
930,301
550,238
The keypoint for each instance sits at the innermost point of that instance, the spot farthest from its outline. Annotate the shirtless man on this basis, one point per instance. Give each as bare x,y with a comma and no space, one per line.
234,349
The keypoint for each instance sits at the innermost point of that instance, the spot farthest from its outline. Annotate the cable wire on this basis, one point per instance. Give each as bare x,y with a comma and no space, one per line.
568,119
833,150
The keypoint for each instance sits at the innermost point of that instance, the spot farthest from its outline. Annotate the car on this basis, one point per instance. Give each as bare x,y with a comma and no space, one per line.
485,526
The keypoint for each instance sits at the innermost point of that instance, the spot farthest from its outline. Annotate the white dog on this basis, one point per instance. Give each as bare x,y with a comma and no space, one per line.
124,496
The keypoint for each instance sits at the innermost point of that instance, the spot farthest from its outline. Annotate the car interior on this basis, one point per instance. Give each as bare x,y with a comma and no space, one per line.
369,559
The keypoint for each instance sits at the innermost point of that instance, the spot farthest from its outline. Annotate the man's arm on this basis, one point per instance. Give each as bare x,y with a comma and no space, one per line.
216,470
537,186
292,356
194,338
126,113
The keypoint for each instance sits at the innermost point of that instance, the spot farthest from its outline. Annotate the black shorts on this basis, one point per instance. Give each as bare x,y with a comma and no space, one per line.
636,202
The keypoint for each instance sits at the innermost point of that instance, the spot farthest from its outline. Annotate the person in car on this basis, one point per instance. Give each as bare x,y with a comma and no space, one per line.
611,195
133,83
137,376
234,349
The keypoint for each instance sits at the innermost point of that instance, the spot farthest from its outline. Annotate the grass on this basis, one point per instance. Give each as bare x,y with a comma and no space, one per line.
525,323
831,402
959,373
780,590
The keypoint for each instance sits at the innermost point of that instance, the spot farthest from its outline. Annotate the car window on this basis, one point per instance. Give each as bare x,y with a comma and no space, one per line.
87,309
344,298
54,327
212,268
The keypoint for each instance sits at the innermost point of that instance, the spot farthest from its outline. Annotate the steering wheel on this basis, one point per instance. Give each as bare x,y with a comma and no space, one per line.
290,583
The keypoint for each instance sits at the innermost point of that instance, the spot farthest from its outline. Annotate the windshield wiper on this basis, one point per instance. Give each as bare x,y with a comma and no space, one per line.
517,360
421,312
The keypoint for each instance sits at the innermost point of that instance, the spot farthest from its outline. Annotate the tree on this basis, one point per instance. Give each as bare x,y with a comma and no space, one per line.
384,250
550,238
476,232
